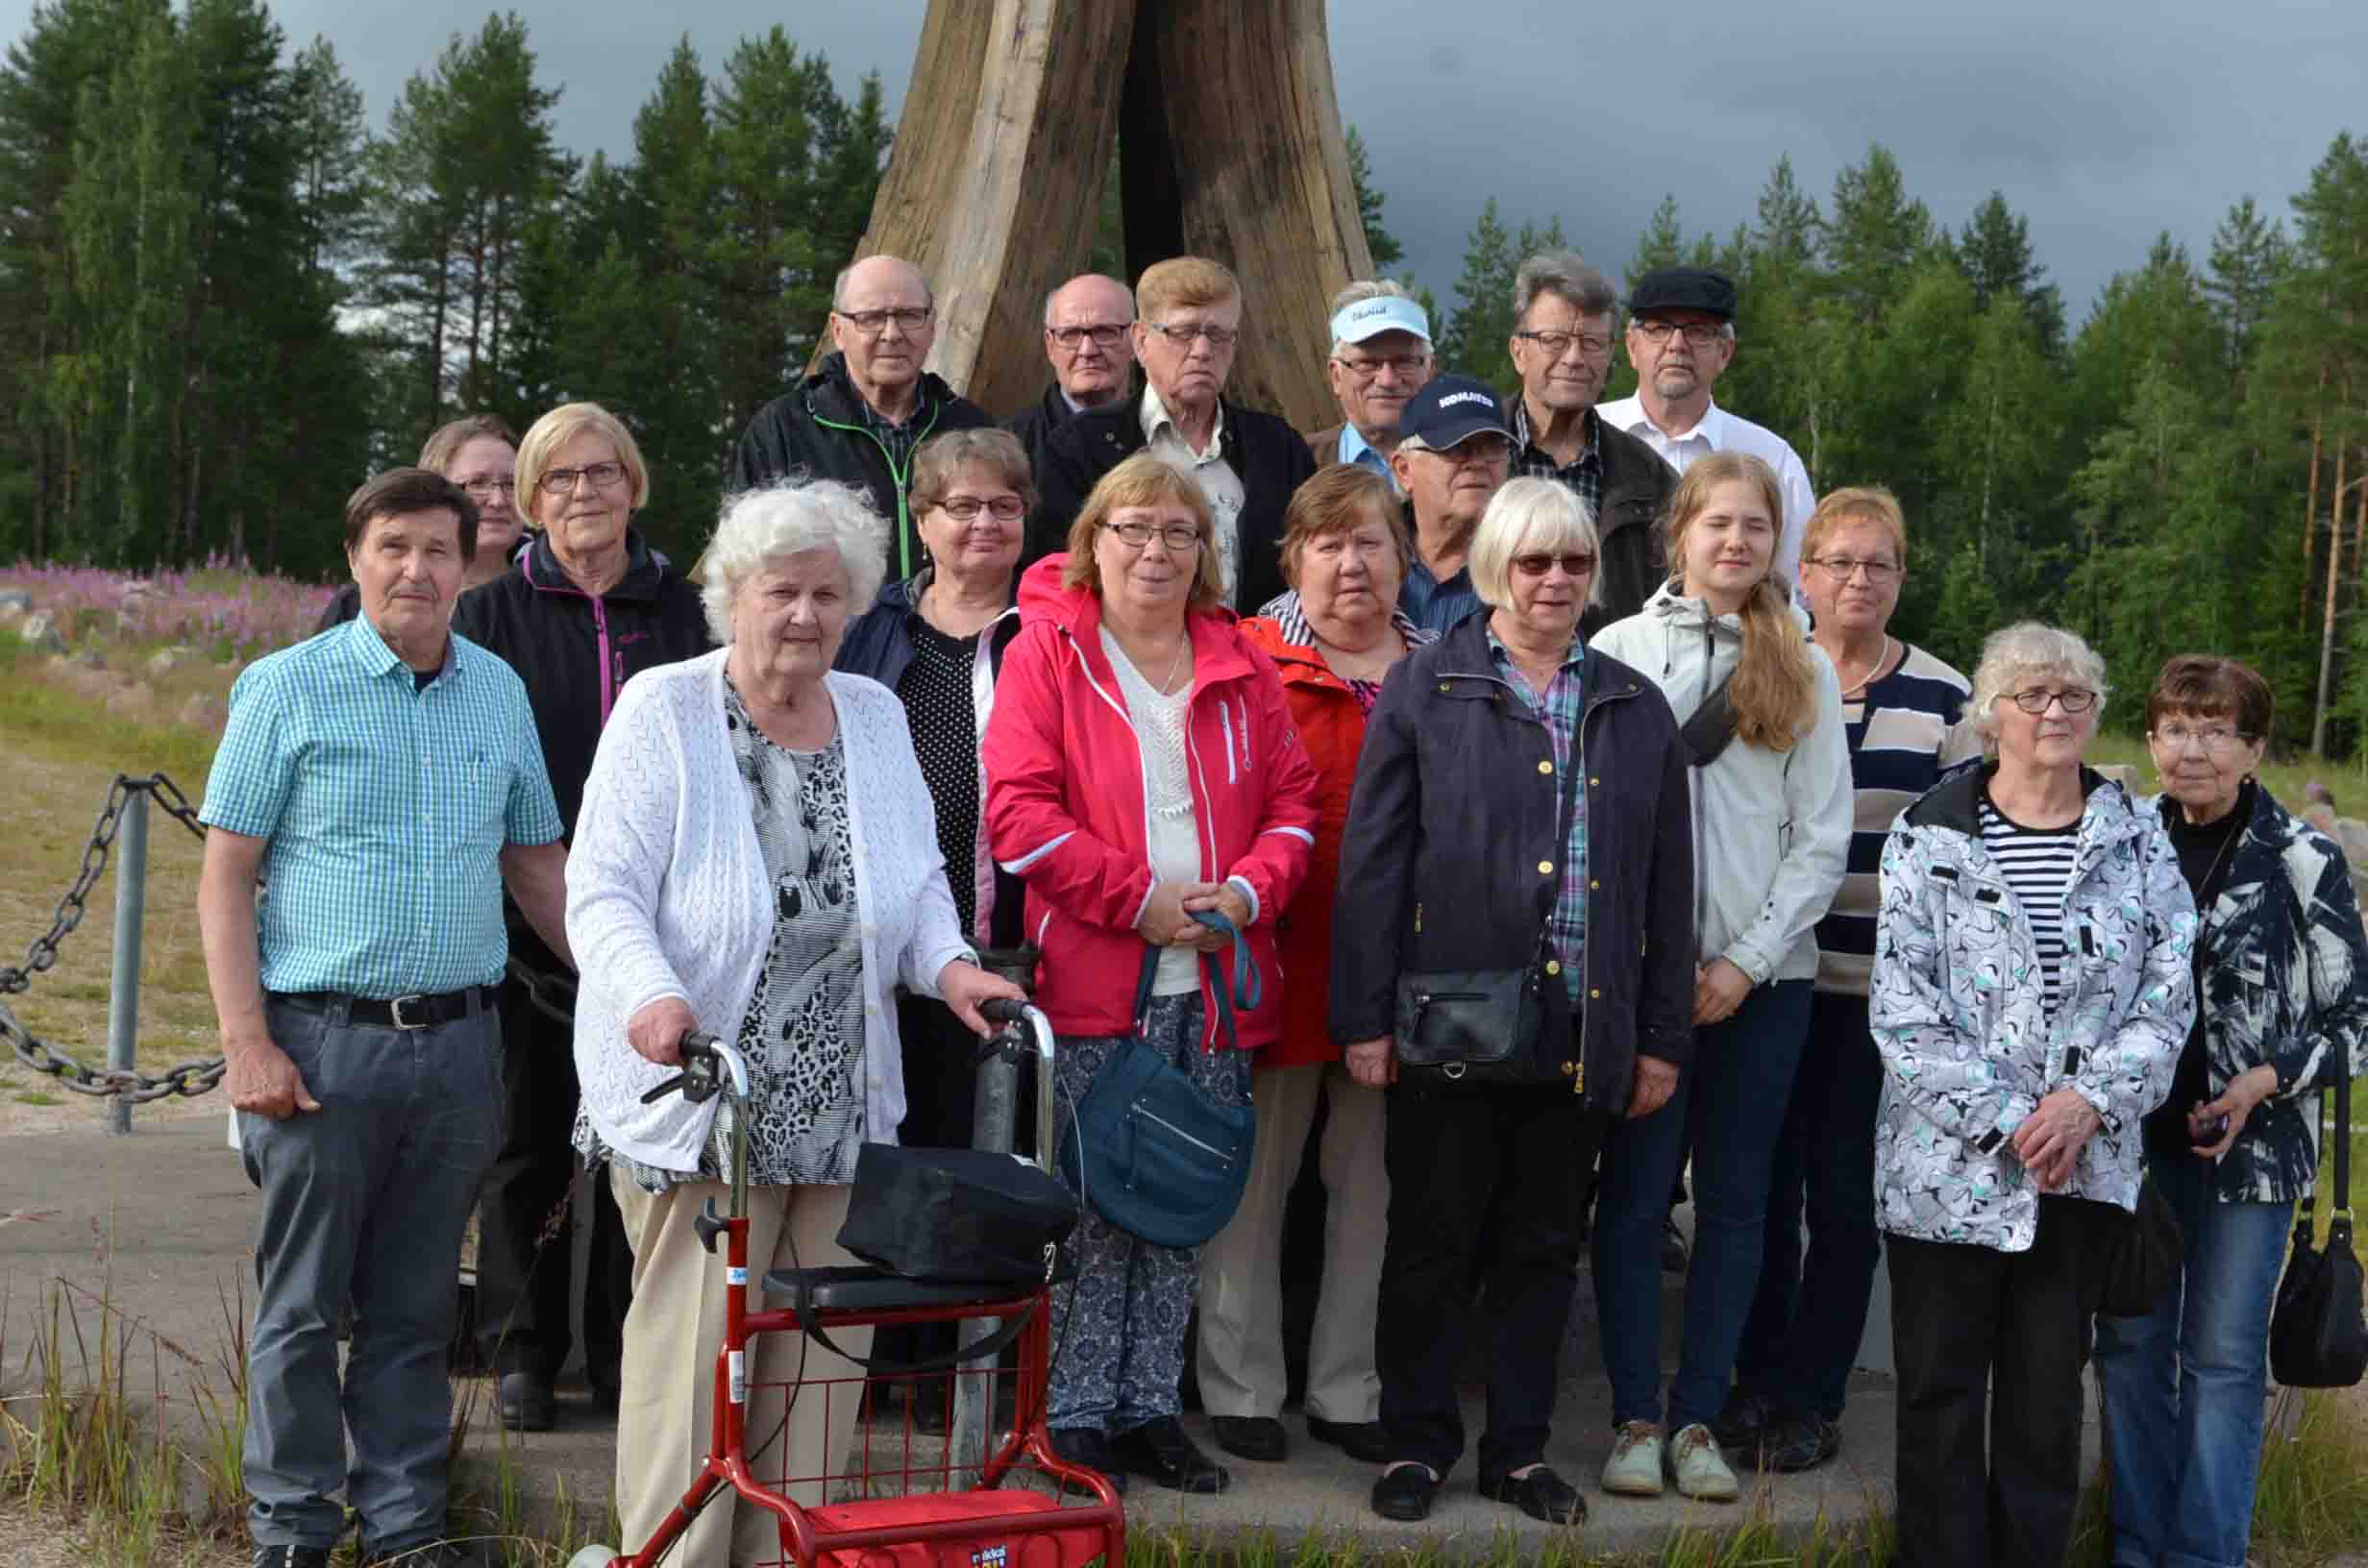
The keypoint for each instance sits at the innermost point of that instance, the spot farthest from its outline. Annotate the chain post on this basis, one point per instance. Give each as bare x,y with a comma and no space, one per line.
123,985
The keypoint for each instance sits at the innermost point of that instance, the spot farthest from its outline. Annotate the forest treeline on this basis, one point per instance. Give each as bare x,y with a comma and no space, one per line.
224,298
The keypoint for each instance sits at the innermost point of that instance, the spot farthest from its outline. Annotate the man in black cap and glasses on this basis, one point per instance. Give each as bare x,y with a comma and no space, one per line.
1681,334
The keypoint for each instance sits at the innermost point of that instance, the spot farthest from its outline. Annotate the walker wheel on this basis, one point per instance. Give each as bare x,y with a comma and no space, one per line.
593,1556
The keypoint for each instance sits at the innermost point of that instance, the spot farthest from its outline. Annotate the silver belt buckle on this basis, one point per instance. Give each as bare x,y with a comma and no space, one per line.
395,1009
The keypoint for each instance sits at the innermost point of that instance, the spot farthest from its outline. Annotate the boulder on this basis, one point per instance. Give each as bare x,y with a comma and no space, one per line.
138,700
2321,815
19,599
165,660
2352,837
40,633
203,711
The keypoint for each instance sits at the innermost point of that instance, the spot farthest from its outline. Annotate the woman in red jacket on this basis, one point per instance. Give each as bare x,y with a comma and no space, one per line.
1142,766
1332,637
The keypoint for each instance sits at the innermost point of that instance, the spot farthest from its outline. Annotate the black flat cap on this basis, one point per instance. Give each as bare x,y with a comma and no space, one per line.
1684,288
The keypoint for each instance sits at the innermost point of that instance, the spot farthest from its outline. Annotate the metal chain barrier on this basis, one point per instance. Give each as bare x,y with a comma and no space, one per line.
185,1078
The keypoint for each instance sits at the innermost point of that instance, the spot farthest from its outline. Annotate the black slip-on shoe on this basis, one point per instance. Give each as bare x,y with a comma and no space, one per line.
527,1401
1086,1446
1542,1494
1405,1493
1358,1439
1742,1421
1258,1438
1160,1451
1801,1444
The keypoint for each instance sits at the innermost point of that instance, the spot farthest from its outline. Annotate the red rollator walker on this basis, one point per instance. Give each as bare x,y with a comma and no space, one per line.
901,1499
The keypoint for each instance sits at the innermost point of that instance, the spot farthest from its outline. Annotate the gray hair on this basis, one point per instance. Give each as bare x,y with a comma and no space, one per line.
1358,292
1524,516
2025,651
786,518
1561,273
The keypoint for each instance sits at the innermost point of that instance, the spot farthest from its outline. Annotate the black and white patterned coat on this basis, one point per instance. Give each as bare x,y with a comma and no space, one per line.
1968,1047
2285,984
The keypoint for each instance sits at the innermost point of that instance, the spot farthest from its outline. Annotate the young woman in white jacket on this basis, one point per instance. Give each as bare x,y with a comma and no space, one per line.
1771,818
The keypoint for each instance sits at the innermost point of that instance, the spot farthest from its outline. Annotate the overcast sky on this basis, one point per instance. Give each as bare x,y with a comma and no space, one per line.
2103,121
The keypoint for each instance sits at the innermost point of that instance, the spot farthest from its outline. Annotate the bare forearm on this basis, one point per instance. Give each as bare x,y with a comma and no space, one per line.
536,875
234,962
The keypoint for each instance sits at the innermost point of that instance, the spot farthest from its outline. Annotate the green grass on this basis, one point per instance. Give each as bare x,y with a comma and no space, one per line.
43,719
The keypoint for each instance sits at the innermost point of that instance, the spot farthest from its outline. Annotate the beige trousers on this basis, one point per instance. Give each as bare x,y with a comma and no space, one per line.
671,1334
1240,1358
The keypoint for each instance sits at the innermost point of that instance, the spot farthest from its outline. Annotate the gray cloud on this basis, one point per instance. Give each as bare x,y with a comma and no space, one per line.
2103,121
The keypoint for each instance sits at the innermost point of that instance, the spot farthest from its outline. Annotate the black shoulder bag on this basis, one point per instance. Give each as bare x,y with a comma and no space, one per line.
1482,1026
2317,1336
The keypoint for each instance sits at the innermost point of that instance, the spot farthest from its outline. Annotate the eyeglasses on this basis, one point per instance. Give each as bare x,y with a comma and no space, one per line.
560,482
2215,739
1184,334
1405,365
872,323
1843,568
1558,344
965,508
1072,338
487,489
2075,700
1176,536
1700,334
1575,564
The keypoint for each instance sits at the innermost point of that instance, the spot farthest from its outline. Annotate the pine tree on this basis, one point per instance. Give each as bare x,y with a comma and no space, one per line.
1379,242
1662,244
1874,236
1994,253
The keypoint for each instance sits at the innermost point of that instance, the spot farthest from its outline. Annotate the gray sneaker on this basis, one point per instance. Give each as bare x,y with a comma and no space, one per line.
1697,1467
1634,1469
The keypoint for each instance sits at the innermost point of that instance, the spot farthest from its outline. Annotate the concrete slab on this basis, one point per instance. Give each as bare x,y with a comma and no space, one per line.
158,1224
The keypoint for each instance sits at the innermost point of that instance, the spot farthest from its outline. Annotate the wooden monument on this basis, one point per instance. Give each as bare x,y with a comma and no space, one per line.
1229,139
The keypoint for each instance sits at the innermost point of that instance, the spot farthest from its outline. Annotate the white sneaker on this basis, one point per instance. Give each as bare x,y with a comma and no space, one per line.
1698,1468
1634,1469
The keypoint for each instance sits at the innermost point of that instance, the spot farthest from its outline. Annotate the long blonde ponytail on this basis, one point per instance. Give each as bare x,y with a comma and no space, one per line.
1774,688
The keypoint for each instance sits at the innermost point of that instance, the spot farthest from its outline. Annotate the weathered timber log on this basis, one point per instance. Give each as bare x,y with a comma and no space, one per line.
1230,132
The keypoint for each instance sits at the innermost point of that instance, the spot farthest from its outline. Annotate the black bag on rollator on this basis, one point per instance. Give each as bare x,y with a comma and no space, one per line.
959,1216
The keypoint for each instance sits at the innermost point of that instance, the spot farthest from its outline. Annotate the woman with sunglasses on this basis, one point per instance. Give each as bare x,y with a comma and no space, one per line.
2030,997
1576,881
1772,820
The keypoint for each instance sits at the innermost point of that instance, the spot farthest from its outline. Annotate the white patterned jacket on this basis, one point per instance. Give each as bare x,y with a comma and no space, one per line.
1968,1048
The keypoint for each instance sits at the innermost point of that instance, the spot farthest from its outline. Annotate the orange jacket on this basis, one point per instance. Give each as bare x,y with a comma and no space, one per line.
1331,729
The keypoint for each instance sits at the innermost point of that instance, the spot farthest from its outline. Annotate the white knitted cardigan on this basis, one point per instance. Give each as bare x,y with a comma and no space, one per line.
667,895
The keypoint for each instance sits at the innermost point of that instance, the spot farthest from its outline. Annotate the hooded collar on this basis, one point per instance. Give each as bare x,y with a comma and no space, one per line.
1955,803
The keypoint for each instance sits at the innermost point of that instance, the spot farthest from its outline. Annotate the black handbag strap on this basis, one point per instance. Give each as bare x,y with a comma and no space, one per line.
2307,1220
1710,727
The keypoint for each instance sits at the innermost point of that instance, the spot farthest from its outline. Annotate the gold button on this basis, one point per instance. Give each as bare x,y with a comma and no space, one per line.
1545,867
1545,767
1595,996
1594,783
1592,885
1443,685
1569,1068
1553,966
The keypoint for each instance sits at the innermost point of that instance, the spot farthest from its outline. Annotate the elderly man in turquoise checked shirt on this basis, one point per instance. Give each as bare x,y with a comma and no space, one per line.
384,781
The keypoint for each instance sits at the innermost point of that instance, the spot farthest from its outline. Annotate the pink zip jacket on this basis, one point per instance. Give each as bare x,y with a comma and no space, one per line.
1066,811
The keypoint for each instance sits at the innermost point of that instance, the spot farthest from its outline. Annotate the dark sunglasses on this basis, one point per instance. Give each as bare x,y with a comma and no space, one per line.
1575,564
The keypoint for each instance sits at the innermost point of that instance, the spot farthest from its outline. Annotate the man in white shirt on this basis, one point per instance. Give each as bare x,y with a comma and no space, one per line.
1381,358
1680,336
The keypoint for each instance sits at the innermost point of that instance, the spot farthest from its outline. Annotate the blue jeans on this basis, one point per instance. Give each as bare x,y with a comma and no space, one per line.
2184,1385
363,1200
1728,1107
1803,1335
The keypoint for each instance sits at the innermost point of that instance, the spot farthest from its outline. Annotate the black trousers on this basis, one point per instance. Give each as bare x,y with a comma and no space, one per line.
524,1235
1966,1320
1510,1163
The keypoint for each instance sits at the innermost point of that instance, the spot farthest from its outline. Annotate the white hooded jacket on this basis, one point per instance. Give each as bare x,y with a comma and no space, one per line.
1771,828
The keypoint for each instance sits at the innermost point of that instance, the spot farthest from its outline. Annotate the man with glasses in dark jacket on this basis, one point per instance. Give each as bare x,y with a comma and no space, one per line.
858,418
1090,340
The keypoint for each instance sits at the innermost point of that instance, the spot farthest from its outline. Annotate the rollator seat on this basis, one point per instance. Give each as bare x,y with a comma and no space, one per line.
862,1289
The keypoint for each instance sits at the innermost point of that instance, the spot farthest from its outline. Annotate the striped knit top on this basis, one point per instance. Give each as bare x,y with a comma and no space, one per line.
2036,863
1905,730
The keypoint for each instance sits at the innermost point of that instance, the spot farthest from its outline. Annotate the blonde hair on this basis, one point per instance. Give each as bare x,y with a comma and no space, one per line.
445,445
1184,282
1774,687
1858,502
555,429
1334,500
1527,515
1144,480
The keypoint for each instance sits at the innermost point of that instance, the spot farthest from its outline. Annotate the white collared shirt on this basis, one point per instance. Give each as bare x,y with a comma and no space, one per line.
1218,481
1722,431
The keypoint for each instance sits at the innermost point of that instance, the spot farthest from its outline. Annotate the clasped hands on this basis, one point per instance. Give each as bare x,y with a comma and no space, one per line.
2050,1139
1167,921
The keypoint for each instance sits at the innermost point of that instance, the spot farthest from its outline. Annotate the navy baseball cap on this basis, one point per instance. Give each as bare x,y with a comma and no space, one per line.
1449,411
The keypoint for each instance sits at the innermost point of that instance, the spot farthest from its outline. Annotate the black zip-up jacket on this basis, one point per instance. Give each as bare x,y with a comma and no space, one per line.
878,644
1265,451
574,652
1455,808
1631,555
1035,424
816,430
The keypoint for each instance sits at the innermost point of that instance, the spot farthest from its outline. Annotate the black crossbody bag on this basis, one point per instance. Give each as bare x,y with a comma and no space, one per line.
1484,1026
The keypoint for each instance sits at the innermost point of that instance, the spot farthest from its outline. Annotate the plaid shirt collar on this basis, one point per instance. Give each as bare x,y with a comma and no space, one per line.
369,650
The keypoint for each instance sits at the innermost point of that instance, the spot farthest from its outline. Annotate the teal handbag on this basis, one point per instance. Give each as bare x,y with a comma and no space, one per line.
1148,1148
